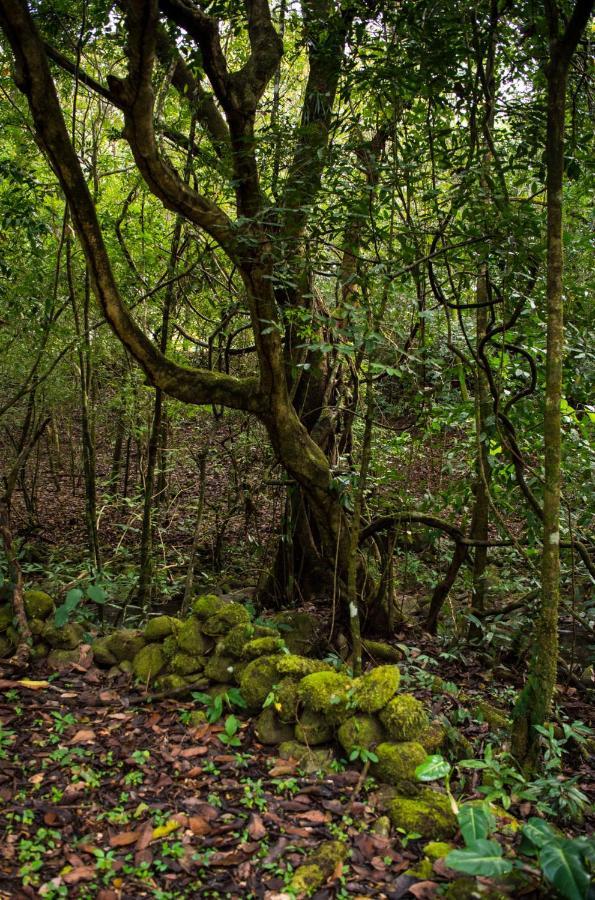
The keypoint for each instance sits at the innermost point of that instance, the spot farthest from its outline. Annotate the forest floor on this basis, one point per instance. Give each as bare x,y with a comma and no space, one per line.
107,796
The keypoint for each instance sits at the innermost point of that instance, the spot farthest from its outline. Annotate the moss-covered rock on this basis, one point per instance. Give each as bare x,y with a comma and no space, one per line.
437,850
197,718
397,762
263,646
126,667
38,605
373,690
220,668
287,700
310,759
326,692
300,666
160,627
66,638
404,718
173,682
185,664
269,729
37,627
379,650
433,737
227,617
63,658
6,616
313,728
170,646
5,647
360,731
238,670
300,631
496,718
206,606
233,643
102,655
258,679
307,879
125,643
329,855
148,663
429,814
39,651
191,639
382,826
423,870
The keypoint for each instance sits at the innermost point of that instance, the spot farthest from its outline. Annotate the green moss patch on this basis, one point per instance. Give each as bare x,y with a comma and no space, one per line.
373,690
300,666
190,638
404,718
38,604
263,646
360,731
429,814
257,680
326,692
398,762
160,627
313,728
148,663
206,606
269,729
224,619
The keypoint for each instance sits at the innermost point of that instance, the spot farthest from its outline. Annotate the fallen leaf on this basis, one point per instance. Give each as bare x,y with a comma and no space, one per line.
145,836
164,830
314,816
256,827
80,873
124,839
198,825
424,890
191,752
83,736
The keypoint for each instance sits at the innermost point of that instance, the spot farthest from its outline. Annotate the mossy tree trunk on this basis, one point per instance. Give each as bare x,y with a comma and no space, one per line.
534,703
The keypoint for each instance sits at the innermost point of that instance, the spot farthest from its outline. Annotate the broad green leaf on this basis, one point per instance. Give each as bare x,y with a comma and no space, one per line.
474,823
562,866
480,858
73,598
433,768
96,593
61,616
539,832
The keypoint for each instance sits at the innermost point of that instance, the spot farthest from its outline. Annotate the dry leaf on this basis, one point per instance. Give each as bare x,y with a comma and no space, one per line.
80,873
83,736
124,839
256,827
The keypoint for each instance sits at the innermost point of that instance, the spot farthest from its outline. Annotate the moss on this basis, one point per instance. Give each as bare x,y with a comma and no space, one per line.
329,855
185,664
263,646
125,643
424,870
170,646
229,615
235,640
307,879
206,606
287,700
38,605
382,826
6,616
197,718
433,737
257,680
238,670
468,889
269,729
300,666
102,654
313,728
404,718
380,650
5,647
148,663
300,631
495,718
373,690
220,668
160,627
360,731
326,692
397,762
437,849
429,814
217,690
126,667
37,627
191,639
310,759
171,682
39,651
66,638
63,659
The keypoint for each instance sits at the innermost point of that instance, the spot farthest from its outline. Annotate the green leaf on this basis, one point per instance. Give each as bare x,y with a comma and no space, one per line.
61,616
539,832
475,823
96,593
562,866
480,858
432,768
73,598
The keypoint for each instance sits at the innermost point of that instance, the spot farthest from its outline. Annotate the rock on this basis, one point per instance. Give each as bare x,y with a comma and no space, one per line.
148,663
309,759
320,866
37,627
270,730
233,643
433,737
197,718
171,682
373,690
496,718
39,651
437,850
185,664
6,616
287,700
326,692
404,718
300,631
191,639
300,666
360,731
313,728
220,668
206,606
160,627
222,621
5,647
170,646
397,762
102,655
125,643
63,659
263,646
38,604
126,667
66,638
429,814
306,880
380,650
382,826
257,680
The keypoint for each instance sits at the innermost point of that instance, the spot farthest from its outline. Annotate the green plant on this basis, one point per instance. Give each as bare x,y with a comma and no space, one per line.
74,598
216,705
363,755
230,732
254,795
6,738
568,865
134,778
